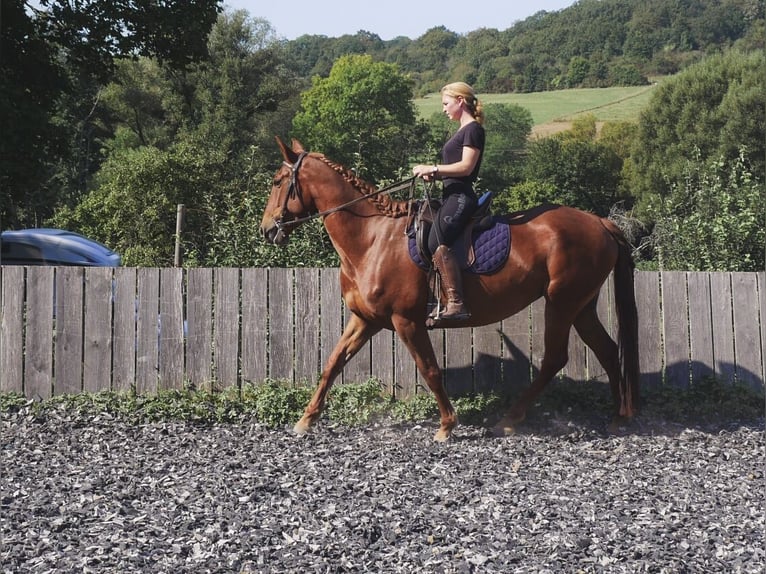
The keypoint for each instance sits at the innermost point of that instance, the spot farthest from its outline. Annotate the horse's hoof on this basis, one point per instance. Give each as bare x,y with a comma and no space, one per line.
620,425
302,427
442,435
506,426
502,430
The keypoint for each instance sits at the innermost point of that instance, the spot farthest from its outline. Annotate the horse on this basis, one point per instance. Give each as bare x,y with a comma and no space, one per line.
557,252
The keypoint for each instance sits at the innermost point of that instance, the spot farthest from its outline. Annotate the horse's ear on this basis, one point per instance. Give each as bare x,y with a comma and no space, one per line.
289,155
298,146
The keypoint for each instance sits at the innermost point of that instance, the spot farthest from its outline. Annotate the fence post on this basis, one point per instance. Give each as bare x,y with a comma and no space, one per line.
180,216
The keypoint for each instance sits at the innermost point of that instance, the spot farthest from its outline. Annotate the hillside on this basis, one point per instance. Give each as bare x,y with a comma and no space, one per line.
553,111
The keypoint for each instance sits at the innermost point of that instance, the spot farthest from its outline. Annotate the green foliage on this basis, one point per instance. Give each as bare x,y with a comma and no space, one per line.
31,81
361,116
526,195
133,207
87,85
92,32
508,128
712,110
476,409
210,160
712,220
584,173
12,402
275,403
418,408
353,404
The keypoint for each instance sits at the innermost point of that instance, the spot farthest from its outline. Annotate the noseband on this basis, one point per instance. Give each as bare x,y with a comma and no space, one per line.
293,191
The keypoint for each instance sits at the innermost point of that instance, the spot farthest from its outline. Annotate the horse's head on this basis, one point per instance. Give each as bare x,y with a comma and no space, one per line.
287,204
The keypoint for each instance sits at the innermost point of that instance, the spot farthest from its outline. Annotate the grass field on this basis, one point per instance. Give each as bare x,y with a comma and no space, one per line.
562,106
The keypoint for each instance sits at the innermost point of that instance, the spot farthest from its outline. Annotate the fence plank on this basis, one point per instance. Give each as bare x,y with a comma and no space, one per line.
124,347
199,324
762,315
487,358
516,351
226,326
723,326
97,349
147,348
647,286
68,348
281,348
38,364
255,324
281,324
675,321
457,360
747,344
12,329
700,326
576,368
383,359
307,357
171,329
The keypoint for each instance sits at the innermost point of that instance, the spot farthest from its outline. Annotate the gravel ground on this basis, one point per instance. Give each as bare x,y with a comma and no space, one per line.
97,494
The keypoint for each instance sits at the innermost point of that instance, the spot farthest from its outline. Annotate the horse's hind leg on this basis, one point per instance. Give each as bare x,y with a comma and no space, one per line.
355,335
593,334
555,357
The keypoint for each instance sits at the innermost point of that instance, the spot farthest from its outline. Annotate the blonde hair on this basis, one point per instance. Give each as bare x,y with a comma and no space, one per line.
463,90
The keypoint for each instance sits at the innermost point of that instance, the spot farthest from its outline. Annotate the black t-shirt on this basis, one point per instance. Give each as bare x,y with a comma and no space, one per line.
471,135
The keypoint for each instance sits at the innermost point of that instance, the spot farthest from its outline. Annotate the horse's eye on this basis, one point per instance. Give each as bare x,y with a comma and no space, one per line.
277,182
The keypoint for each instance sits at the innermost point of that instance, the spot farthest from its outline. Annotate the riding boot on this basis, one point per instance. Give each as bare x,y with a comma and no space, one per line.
451,276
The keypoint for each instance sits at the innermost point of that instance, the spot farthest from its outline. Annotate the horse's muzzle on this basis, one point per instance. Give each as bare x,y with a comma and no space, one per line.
274,233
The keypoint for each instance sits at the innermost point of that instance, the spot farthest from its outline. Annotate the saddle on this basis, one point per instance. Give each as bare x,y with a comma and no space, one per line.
482,247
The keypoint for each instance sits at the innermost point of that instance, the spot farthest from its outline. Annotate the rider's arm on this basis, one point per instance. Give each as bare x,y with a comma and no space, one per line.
461,168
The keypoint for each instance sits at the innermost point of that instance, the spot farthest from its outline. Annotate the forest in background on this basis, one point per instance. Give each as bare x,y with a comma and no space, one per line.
113,113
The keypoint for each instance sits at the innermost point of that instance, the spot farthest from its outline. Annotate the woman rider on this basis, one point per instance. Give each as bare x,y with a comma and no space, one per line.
461,159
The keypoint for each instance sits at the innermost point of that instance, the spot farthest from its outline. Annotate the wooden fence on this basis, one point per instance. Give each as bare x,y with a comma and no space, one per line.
70,329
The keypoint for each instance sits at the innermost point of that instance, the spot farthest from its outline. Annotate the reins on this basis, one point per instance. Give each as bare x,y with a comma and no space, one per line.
294,191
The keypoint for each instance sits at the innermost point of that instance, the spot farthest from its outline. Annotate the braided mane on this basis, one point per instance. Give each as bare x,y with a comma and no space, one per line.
383,202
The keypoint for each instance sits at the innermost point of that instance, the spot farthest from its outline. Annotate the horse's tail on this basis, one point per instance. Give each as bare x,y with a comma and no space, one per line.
627,322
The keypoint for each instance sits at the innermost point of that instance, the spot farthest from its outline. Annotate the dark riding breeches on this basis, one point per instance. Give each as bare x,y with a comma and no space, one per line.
450,220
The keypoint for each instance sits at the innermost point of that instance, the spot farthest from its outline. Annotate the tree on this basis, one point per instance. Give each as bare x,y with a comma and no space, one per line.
508,128
92,33
30,82
712,110
579,170
361,116
56,56
203,138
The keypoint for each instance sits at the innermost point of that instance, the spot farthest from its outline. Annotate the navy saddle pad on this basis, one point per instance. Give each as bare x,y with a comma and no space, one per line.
491,247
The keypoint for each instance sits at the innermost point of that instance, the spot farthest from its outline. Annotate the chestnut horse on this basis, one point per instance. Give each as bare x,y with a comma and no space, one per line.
560,253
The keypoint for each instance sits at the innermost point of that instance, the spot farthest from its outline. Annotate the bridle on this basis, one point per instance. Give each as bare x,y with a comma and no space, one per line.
294,191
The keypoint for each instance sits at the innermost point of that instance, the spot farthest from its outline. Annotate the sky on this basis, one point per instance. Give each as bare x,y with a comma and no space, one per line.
389,18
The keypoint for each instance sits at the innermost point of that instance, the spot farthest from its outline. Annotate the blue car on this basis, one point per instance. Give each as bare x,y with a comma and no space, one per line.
45,246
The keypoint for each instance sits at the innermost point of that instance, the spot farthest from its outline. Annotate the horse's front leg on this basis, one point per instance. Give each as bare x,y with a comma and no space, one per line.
415,337
355,335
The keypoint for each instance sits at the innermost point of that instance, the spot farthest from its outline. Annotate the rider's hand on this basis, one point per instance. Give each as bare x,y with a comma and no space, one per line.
427,172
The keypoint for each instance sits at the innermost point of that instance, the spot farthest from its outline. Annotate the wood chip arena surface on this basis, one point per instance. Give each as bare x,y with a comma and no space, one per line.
93,493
